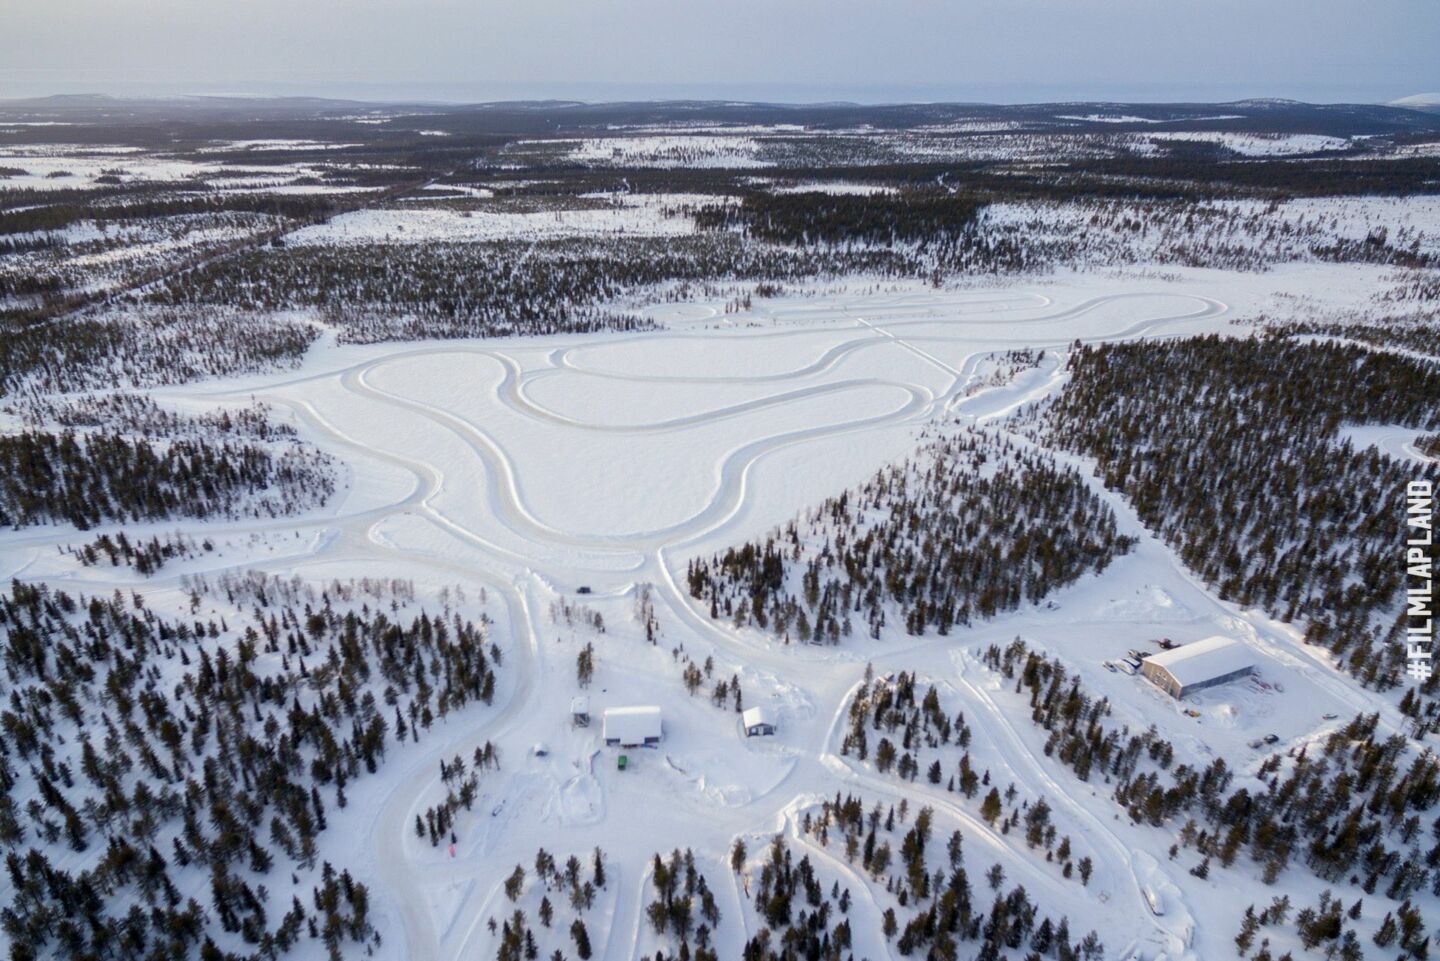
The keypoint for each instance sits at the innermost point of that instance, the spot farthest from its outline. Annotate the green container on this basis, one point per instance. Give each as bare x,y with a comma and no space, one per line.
621,761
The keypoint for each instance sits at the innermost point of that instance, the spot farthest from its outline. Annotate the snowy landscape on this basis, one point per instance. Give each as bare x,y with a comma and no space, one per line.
357,462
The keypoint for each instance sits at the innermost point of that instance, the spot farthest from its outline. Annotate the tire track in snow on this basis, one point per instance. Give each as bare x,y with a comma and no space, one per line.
403,889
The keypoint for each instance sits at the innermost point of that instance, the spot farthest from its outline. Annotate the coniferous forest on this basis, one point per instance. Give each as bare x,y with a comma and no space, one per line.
1163,371
1231,450
166,781
970,526
85,479
1352,810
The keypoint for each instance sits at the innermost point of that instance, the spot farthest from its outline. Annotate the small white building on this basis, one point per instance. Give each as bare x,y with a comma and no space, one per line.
580,711
632,726
1196,666
757,722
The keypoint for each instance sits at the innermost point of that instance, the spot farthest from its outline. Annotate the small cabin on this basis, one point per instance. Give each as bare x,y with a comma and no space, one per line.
632,726
580,711
757,722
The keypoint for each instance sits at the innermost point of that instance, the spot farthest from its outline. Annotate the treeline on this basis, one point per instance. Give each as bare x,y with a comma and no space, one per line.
496,289
1224,235
166,780
88,479
1392,330
146,230
144,348
138,415
1420,286
920,217
82,265
146,557
971,527
1227,448
1188,172
57,216
1303,177
25,245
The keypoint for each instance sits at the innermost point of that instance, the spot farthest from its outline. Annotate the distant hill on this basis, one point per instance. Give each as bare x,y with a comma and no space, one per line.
1420,101
88,116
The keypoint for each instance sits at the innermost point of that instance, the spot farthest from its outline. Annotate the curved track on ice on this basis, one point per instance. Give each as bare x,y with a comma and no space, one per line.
906,323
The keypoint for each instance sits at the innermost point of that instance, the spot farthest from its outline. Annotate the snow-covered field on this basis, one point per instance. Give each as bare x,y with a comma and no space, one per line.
536,467
1261,231
642,215
1258,145
48,167
670,151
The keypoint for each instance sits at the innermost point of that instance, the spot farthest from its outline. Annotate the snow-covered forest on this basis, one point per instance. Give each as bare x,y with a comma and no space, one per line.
716,531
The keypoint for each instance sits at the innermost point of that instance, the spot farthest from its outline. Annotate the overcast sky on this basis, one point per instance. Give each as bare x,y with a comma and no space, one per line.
878,50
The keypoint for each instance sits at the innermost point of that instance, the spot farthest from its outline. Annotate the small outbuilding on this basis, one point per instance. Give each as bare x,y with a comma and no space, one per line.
757,722
580,711
1193,667
632,726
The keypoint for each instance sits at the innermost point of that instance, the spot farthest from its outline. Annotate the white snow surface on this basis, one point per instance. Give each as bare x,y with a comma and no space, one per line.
51,167
635,215
666,151
1259,145
533,467
834,188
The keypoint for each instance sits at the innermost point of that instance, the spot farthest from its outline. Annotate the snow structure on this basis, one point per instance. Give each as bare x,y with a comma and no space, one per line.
757,722
1194,667
632,726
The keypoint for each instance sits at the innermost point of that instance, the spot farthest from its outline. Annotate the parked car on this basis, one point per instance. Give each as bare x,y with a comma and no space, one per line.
1272,739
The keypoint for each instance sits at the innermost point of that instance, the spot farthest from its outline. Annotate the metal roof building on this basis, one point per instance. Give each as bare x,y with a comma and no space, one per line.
632,726
1196,666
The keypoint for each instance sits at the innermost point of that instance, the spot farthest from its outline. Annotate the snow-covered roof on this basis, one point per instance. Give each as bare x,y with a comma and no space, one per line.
756,715
632,725
1202,660
580,704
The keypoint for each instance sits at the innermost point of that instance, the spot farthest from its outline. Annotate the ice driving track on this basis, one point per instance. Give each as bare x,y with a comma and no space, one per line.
613,560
